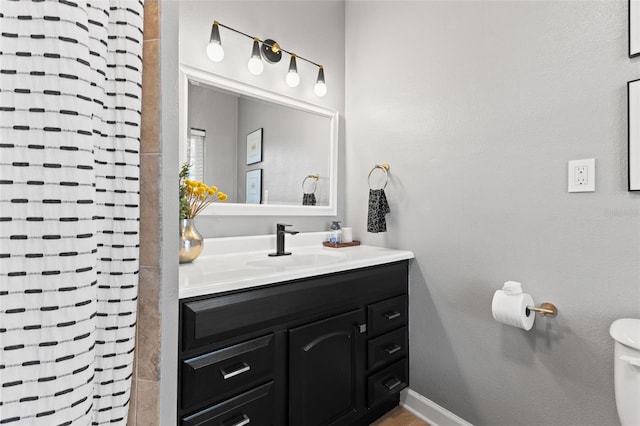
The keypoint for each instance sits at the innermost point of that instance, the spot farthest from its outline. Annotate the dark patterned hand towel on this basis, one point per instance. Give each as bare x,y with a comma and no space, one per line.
378,208
309,199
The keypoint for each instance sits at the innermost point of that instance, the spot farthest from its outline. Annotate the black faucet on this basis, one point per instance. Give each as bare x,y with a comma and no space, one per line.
280,231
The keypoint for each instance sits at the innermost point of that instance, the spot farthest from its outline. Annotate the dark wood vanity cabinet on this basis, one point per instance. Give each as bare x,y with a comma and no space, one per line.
324,350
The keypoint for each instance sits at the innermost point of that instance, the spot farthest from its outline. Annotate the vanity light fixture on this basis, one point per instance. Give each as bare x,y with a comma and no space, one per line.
271,52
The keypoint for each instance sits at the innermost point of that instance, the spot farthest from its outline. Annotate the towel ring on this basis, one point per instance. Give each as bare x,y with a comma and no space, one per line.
315,183
385,168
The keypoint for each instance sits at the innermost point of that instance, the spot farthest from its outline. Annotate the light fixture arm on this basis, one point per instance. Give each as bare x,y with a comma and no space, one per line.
267,44
234,30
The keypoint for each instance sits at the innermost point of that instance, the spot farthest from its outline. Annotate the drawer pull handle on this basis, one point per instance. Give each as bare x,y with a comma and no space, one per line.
244,367
392,349
392,315
244,420
392,383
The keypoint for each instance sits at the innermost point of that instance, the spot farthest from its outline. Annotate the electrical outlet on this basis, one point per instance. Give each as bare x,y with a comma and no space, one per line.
582,175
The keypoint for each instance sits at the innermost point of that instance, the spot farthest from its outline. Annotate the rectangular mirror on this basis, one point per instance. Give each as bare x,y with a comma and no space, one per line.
292,143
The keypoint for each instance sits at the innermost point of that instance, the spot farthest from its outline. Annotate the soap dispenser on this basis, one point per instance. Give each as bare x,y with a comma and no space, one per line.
335,232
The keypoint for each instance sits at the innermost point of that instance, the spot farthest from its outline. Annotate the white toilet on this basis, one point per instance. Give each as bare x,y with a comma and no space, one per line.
626,333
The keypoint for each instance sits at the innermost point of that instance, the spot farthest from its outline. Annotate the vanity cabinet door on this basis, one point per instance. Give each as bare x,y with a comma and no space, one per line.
324,363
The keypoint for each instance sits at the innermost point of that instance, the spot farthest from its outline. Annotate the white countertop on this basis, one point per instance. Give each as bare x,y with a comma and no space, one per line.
237,263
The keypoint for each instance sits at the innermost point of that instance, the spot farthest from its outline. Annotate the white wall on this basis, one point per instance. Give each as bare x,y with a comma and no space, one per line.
313,29
478,106
167,240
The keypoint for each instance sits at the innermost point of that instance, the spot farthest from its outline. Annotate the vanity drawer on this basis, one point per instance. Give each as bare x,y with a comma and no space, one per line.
387,382
219,374
387,315
386,348
255,407
207,320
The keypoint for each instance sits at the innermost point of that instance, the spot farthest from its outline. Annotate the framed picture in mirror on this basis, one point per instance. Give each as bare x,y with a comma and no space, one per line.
633,123
254,186
254,147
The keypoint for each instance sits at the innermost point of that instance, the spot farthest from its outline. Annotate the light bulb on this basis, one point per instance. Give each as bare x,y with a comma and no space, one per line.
293,79
320,89
255,64
215,52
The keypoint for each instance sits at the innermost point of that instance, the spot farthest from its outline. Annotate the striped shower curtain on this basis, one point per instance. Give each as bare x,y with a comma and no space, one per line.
70,107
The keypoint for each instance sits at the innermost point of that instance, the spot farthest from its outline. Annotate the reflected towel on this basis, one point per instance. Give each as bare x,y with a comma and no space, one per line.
309,199
378,208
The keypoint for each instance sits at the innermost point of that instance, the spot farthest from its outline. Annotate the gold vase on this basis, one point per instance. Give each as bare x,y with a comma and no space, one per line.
191,242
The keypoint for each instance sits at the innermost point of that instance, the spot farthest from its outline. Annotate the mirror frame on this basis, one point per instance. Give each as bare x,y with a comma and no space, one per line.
187,73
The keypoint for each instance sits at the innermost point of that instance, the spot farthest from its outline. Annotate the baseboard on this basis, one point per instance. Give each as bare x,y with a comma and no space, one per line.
429,411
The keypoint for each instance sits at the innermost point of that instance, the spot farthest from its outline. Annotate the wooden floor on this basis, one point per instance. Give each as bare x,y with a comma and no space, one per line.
399,417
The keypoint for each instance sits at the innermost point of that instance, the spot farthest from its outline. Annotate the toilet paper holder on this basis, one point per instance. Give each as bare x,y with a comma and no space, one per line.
545,309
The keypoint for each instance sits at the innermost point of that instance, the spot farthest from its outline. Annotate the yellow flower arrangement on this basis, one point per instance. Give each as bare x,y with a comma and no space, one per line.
195,196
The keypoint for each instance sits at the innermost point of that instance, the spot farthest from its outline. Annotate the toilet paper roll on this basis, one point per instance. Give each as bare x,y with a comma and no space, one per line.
512,309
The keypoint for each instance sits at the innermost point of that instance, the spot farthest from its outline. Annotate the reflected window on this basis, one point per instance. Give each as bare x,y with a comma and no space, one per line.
195,153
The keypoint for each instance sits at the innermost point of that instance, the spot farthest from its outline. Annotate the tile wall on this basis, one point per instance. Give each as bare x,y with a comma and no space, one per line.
145,389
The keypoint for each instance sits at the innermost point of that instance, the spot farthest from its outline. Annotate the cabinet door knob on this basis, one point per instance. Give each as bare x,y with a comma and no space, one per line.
392,383
362,328
238,369
243,420
392,349
392,315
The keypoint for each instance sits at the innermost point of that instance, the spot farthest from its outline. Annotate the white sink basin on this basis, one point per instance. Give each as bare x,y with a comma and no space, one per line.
297,260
